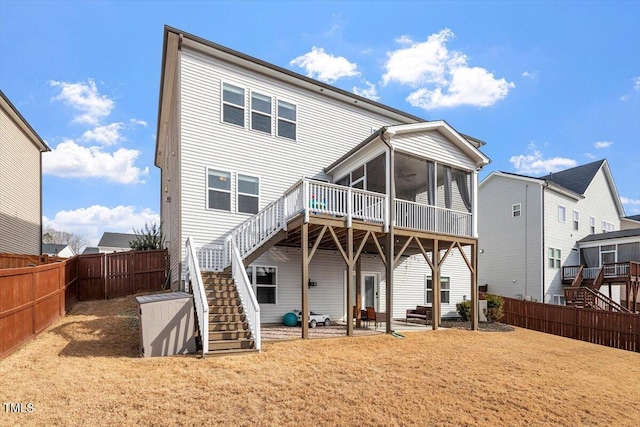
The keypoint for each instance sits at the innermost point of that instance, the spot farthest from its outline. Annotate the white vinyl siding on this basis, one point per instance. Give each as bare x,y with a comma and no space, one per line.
20,215
433,146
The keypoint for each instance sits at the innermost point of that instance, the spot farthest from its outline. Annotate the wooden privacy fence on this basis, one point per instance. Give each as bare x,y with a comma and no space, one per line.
104,276
32,298
613,329
17,261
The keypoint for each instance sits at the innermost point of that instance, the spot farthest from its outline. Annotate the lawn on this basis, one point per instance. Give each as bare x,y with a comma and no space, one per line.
85,371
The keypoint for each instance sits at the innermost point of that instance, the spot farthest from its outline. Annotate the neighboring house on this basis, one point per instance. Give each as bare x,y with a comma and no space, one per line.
20,182
529,227
619,252
58,250
115,242
629,222
307,184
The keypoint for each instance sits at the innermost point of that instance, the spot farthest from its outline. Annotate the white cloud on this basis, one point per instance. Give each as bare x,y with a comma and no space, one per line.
70,160
534,162
442,79
138,122
84,97
590,156
636,83
325,67
603,144
369,92
530,75
105,135
94,220
632,206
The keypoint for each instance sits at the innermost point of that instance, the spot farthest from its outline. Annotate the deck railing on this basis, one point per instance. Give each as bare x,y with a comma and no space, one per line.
609,270
194,277
417,216
589,298
211,257
248,298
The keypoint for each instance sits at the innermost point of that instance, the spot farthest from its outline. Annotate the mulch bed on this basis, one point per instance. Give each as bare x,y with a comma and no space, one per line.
482,326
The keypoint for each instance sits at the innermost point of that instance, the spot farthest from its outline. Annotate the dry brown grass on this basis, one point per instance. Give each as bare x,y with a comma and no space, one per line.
84,371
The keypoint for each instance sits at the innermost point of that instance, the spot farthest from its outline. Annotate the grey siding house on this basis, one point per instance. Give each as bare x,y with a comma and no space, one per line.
529,227
20,182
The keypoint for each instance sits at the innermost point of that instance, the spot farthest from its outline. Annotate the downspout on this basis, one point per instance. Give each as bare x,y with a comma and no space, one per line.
542,252
390,234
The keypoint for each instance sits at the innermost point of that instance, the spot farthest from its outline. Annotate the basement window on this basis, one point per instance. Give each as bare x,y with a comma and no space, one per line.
445,290
264,282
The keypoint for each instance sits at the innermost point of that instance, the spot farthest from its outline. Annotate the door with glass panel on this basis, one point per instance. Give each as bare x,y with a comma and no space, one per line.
368,290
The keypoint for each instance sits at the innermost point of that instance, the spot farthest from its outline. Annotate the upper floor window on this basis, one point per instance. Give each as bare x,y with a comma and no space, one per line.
261,112
576,220
607,227
555,258
232,104
218,190
287,120
516,210
562,213
248,194
592,224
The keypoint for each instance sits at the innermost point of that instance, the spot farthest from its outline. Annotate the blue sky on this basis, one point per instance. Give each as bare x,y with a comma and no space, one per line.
547,85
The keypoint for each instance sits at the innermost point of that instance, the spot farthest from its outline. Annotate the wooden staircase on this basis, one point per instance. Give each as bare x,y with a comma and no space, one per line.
228,328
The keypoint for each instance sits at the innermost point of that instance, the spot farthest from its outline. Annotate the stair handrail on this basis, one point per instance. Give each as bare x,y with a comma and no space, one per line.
597,282
578,279
603,302
194,277
248,298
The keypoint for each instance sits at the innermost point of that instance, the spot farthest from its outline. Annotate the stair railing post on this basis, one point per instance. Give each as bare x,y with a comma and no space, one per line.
306,197
349,206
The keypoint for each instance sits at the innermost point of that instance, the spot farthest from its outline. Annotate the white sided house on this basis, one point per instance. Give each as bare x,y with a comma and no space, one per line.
21,149
530,227
303,191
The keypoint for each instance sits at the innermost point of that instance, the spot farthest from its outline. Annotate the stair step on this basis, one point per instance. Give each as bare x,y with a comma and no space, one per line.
216,309
215,345
232,352
228,326
229,335
224,302
213,293
226,317
217,280
220,288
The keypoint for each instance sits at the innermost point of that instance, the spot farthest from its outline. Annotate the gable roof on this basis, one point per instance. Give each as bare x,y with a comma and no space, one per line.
91,250
174,39
633,217
116,240
576,179
53,248
15,115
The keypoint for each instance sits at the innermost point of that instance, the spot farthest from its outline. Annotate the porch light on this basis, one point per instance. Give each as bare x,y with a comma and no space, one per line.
312,284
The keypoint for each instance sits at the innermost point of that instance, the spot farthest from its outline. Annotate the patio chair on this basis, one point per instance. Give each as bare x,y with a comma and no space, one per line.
363,315
371,316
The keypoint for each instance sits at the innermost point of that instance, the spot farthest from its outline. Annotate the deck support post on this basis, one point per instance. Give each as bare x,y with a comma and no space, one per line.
358,304
304,246
350,263
474,287
435,285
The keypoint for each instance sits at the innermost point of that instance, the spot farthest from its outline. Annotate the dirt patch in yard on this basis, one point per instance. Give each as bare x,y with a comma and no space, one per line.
85,370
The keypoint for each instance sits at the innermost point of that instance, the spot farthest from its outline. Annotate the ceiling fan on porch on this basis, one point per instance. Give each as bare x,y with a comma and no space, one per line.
406,176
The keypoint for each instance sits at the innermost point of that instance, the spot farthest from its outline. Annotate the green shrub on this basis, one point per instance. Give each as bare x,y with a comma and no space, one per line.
464,310
494,311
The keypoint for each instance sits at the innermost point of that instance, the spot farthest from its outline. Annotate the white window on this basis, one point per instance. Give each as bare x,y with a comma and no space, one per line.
607,227
593,225
562,213
558,299
576,220
265,283
555,256
516,210
445,290
218,190
248,194
232,104
287,120
261,112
